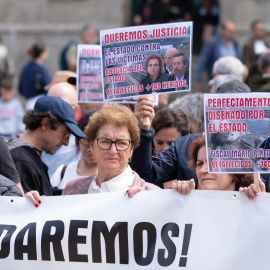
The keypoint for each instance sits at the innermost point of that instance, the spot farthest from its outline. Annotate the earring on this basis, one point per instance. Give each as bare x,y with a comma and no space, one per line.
129,160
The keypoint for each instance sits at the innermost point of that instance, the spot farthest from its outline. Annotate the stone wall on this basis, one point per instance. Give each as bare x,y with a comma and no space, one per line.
23,22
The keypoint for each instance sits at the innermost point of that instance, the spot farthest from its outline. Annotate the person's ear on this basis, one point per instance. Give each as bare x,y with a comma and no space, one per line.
45,123
77,109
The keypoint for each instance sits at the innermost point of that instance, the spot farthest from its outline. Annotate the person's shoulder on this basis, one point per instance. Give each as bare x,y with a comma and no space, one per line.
24,153
79,185
187,139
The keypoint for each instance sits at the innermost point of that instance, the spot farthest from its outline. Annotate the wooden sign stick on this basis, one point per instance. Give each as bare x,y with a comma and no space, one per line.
146,121
256,181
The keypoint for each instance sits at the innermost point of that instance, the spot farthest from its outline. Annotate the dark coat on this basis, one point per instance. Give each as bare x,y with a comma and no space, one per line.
168,165
249,55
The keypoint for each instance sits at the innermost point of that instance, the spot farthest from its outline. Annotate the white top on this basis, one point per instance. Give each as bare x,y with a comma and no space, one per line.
65,155
70,173
121,182
259,46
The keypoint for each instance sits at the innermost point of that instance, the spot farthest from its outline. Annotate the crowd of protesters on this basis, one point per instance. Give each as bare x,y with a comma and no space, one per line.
54,146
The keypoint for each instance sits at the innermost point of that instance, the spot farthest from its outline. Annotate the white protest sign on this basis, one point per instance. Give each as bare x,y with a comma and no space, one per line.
154,230
89,74
238,132
125,52
89,79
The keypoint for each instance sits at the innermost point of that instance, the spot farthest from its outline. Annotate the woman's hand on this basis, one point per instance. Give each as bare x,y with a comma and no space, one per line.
184,187
251,192
133,190
34,197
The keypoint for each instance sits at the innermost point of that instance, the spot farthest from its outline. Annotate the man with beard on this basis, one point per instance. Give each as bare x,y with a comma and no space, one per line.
180,70
48,127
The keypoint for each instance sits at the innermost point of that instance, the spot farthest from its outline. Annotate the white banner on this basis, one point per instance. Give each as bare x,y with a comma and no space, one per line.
154,230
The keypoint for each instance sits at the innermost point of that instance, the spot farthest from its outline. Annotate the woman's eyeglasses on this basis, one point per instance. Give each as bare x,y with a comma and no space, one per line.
106,144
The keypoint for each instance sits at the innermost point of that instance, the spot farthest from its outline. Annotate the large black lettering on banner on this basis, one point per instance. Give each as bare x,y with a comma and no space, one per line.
5,245
47,238
168,243
120,228
31,247
74,239
138,242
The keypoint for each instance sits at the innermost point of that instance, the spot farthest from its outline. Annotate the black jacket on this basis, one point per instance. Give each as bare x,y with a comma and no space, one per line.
32,170
168,165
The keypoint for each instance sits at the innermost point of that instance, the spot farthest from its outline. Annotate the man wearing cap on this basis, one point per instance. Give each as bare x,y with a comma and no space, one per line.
48,127
68,154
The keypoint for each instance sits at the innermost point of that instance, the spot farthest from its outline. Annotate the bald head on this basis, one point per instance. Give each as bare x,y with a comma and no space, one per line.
66,92
228,30
169,58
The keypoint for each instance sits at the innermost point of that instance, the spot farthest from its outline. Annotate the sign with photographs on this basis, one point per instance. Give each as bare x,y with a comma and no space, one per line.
238,132
133,60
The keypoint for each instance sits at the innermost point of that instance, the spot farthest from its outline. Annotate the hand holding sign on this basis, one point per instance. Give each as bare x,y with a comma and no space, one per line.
184,187
252,191
144,112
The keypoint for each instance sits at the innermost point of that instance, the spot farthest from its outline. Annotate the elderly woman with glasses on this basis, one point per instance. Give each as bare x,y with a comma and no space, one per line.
113,134
155,74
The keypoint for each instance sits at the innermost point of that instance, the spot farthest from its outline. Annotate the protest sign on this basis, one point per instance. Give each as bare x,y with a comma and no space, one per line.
126,51
238,132
89,82
111,231
89,74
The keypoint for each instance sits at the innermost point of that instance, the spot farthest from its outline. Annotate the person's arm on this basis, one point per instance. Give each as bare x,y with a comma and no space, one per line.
170,164
7,166
142,156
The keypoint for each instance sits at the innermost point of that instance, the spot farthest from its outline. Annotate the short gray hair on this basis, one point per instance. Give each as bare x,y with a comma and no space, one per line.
192,106
229,65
